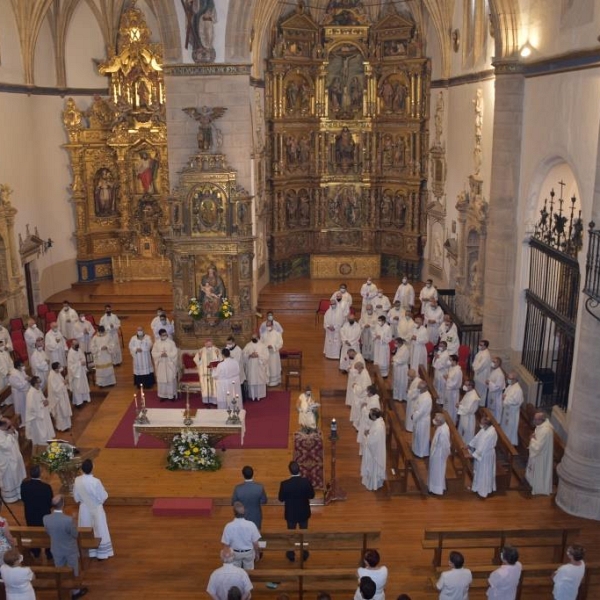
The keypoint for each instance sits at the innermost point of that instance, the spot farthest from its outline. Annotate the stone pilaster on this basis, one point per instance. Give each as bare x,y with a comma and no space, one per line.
502,218
579,471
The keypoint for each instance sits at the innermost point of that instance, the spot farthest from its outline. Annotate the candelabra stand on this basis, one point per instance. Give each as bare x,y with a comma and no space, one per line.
333,491
187,419
233,412
141,412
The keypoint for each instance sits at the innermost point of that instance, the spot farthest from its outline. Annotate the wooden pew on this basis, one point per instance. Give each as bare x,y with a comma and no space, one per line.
533,576
449,538
37,537
503,471
399,455
461,460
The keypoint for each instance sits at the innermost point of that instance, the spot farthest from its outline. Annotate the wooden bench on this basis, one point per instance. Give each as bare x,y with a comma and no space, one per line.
48,579
538,576
37,537
448,538
296,581
461,460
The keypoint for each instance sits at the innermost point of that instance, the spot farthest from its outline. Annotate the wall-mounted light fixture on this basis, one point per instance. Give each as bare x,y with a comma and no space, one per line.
525,50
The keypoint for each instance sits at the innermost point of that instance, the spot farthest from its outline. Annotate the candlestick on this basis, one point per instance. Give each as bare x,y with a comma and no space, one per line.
135,400
333,429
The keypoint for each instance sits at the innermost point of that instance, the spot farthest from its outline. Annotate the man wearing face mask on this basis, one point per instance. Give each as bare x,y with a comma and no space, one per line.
67,317
453,379
56,346
440,364
370,401
433,318
5,337
19,383
275,324
482,366
350,337
112,325
102,351
39,362
256,365
382,336
32,335
332,323
381,304
420,418
203,359
406,294
467,408
163,323
512,398
140,348
83,331
372,468
418,346
38,423
58,399
412,395
368,292
236,353
77,373
427,294
440,450
483,449
394,316
449,334
495,385
274,342
367,323
165,355
342,295
400,370
227,379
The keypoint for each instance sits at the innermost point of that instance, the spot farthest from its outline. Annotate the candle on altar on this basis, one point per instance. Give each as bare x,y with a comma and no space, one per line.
135,400
187,405
143,396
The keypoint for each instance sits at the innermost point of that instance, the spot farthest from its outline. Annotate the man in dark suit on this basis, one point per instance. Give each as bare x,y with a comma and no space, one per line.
37,502
63,541
296,494
252,495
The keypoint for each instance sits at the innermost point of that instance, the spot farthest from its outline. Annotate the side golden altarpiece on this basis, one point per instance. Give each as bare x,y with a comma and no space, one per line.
347,110
210,243
118,154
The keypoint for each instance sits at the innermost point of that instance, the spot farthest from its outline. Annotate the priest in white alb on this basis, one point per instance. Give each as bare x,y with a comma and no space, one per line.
373,465
359,392
350,337
433,318
467,408
38,423
394,316
540,466
165,356
256,365
438,456
440,364
421,422
382,336
39,362
140,348
449,333
368,291
333,320
370,401
227,379
482,366
496,383
273,340
511,408
418,347
204,358
412,395
58,399
77,374
67,317
55,345
367,323
353,358
400,370
427,294
406,294
483,450
112,325
101,348
83,332
12,468
454,378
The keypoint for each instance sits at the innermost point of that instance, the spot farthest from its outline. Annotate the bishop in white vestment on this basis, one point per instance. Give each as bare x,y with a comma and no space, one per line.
203,359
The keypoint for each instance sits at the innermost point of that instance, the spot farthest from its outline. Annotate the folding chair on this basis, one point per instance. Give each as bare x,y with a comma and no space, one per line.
293,372
17,324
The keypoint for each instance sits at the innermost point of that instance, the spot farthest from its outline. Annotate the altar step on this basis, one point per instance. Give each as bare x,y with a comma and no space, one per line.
182,507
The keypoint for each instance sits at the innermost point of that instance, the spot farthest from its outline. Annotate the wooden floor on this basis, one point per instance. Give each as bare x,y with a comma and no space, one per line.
173,557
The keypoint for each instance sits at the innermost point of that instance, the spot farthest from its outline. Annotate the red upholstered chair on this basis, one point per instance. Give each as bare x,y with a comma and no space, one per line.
430,348
50,318
20,350
323,306
42,309
91,319
464,352
17,324
190,370
16,336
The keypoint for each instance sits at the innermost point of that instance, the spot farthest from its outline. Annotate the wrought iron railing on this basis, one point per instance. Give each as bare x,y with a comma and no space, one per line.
592,266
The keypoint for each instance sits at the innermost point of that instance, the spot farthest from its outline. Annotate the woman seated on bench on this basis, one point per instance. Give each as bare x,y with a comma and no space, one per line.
378,574
17,579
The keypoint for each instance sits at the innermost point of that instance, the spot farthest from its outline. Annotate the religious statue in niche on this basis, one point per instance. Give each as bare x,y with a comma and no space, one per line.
211,292
105,193
345,148
400,152
387,151
386,212
291,207
146,170
393,92
344,12
394,48
208,134
304,207
207,209
201,15
245,269
344,207
345,82
297,95
401,208
291,151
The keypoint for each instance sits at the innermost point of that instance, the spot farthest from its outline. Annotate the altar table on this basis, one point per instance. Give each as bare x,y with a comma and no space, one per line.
166,423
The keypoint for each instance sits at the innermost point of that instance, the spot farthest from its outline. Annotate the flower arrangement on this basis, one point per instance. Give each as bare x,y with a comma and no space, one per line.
56,456
226,310
195,309
191,451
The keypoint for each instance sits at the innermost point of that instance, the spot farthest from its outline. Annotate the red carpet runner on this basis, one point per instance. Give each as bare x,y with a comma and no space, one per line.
267,423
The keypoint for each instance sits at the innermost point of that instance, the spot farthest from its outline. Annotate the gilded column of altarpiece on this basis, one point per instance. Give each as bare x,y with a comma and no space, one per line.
118,154
347,103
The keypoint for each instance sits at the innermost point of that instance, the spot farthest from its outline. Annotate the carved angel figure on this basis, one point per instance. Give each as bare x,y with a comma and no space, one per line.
206,115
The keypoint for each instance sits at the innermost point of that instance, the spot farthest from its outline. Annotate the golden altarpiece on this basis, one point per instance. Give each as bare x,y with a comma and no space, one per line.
347,103
118,154
210,243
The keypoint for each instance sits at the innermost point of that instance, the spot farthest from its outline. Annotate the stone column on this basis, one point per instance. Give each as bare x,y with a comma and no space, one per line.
579,471
502,227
